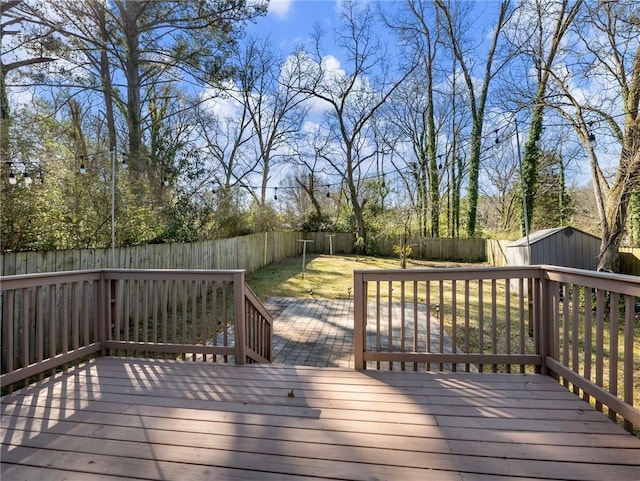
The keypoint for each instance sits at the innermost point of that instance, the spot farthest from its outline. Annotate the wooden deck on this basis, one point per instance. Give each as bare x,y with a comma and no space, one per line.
144,419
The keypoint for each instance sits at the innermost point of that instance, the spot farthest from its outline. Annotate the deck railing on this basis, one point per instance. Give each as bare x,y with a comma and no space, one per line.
578,326
55,319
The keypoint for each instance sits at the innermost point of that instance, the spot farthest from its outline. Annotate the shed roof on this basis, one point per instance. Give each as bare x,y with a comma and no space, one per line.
538,235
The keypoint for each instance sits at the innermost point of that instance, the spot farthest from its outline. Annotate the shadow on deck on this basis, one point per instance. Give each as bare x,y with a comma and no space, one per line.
114,419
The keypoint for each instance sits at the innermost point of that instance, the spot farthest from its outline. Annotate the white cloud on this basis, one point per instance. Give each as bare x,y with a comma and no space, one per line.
221,102
280,8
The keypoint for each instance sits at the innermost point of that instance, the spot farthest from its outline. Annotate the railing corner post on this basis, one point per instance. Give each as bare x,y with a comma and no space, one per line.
544,329
239,323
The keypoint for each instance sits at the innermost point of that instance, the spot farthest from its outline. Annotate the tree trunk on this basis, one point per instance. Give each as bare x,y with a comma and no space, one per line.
5,144
474,171
130,12
617,199
105,73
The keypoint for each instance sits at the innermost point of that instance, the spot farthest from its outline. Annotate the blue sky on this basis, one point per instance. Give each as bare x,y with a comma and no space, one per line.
290,22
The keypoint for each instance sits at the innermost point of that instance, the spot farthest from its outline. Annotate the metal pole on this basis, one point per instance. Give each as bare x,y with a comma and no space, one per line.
524,197
113,208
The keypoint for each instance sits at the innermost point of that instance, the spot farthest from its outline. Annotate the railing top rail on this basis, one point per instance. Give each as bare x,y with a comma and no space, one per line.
450,273
623,284
201,271
173,274
47,278
589,273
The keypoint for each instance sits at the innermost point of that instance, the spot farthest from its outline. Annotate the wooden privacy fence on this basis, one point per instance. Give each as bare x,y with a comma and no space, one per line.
577,325
51,320
254,251
436,248
249,252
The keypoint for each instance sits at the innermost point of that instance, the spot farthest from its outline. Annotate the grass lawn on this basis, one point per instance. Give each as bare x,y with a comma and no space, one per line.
330,277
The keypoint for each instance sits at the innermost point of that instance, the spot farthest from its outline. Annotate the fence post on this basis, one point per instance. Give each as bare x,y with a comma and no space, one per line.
359,301
239,323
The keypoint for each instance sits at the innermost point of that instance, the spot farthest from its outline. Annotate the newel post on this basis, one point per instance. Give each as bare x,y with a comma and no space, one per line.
544,329
358,320
103,305
239,324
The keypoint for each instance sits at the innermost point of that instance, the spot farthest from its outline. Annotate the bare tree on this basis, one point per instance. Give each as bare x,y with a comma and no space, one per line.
453,16
414,112
606,59
277,109
351,99
537,34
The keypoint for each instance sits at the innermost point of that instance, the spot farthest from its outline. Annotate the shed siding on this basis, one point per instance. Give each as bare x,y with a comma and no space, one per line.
566,247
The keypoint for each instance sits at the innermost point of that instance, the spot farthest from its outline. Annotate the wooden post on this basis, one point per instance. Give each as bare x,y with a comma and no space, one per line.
239,327
530,304
102,306
331,236
113,312
304,252
358,321
264,263
544,322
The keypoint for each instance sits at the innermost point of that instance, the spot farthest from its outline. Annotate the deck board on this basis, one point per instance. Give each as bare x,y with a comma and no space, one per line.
137,419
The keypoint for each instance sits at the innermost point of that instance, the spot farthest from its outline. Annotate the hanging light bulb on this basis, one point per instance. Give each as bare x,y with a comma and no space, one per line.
275,196
83,169
536,141
27,178
12,178
165,181
497,138
125,164
592,140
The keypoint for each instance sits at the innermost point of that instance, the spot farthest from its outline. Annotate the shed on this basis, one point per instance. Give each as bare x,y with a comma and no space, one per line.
562,246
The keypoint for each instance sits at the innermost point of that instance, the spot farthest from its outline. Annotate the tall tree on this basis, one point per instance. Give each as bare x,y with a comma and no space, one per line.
146,43
277,109
17,54
606,54
537,33
415,111
351,99
454,18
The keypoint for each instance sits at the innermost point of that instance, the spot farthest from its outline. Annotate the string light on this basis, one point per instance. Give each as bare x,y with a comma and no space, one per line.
592,136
